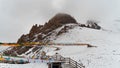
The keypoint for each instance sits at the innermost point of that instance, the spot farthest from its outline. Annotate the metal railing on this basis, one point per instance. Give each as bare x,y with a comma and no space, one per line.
70,61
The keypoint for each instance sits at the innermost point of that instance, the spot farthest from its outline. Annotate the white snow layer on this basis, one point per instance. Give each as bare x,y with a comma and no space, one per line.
31,65
106,55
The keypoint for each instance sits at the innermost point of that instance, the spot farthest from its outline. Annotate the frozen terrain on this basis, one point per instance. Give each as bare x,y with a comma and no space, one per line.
31,65
105,55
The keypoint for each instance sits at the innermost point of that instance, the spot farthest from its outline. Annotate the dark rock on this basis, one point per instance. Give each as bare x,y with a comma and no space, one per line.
23,38
93,24
42,31
64,30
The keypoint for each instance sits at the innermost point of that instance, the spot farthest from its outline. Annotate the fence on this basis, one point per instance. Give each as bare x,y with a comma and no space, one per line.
75,64
70,61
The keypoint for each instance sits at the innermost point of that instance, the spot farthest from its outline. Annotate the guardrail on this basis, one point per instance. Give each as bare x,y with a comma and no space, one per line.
70,61
75,64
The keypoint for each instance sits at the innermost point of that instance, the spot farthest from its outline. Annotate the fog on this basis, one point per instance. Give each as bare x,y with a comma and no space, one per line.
18,16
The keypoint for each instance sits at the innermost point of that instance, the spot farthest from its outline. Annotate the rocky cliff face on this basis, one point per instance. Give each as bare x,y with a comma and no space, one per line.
40,33
55,28
49,31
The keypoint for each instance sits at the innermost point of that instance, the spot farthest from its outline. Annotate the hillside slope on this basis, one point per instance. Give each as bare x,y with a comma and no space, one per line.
106,39
105,55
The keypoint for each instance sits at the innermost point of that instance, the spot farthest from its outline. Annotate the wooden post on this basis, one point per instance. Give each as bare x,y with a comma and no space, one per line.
60,58
69,60
51,65
56,57
76,64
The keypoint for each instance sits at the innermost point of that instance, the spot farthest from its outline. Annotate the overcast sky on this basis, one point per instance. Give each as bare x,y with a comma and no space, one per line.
18,16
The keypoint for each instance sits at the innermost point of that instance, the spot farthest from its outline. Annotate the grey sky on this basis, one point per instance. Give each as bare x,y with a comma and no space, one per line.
18,16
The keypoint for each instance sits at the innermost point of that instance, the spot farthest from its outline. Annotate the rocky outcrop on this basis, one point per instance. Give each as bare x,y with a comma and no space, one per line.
23,38
35,30
57,21
41,32
30,37
91,24
59,24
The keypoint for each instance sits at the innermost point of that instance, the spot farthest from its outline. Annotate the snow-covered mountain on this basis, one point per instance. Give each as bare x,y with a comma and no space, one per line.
105,55
56,26
64,29
42,32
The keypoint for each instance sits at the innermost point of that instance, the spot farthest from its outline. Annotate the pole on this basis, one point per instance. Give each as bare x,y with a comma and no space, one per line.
76,64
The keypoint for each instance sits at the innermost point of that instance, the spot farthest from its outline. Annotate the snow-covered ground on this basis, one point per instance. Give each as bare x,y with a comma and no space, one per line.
31,65
34,63
105,55
2,48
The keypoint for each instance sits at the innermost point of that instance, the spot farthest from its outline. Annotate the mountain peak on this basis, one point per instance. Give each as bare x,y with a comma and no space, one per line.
39,33
62,18
47,32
